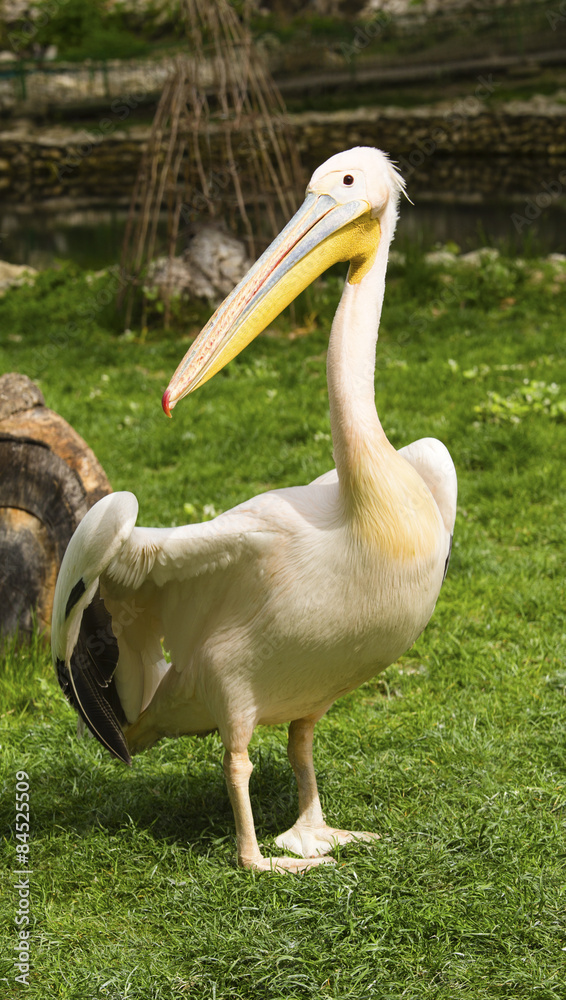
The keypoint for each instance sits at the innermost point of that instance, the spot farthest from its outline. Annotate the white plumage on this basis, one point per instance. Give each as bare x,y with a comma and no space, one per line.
274,609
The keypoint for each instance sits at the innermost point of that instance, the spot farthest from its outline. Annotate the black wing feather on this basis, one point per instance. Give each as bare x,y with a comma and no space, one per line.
75,595
89,684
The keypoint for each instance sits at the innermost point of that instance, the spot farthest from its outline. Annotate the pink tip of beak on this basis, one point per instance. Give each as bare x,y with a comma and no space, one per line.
165,403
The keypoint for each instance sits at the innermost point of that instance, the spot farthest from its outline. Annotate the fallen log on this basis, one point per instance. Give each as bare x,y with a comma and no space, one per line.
49,478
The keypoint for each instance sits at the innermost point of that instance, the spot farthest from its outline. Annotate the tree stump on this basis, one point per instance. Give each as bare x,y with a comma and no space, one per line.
49,478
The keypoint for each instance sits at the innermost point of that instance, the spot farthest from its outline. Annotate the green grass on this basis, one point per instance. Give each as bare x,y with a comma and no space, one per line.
456,755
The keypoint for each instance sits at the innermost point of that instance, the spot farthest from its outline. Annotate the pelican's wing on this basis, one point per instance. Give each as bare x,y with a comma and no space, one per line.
434,464
122,589
326,479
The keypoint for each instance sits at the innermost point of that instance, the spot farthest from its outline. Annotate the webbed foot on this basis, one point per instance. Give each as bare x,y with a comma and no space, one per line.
292,865
310,842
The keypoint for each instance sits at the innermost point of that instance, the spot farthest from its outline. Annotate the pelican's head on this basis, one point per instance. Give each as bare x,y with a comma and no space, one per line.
339,220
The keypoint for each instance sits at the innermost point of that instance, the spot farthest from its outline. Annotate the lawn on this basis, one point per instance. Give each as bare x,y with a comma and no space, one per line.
456,755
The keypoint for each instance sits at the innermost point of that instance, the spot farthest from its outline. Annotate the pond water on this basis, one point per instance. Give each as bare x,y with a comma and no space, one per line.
92,238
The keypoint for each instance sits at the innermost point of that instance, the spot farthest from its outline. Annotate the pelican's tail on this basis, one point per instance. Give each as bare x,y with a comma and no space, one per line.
84,647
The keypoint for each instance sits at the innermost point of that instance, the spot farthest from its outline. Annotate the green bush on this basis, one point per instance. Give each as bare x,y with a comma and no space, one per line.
84,29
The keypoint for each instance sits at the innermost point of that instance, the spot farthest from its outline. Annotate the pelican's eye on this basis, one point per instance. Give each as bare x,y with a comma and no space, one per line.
348,180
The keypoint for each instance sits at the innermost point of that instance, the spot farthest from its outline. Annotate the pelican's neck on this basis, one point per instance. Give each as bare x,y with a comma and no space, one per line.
380,492
358,437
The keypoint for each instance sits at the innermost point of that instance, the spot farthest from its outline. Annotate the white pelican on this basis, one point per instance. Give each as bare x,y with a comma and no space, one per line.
274,609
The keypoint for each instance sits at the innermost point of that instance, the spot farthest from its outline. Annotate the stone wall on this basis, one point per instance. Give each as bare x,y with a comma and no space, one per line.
459,150
30,90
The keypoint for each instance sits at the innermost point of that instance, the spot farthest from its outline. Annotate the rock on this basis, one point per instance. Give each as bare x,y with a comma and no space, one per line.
440,257
212,264
17,394
476,257
15,274
397,258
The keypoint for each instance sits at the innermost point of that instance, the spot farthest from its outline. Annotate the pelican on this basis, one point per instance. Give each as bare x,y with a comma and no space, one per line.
276,608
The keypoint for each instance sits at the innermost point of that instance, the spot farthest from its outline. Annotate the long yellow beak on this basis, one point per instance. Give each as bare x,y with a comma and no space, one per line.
321,233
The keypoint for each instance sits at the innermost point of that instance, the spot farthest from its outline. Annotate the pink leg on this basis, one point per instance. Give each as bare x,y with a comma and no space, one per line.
238,769
310,836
